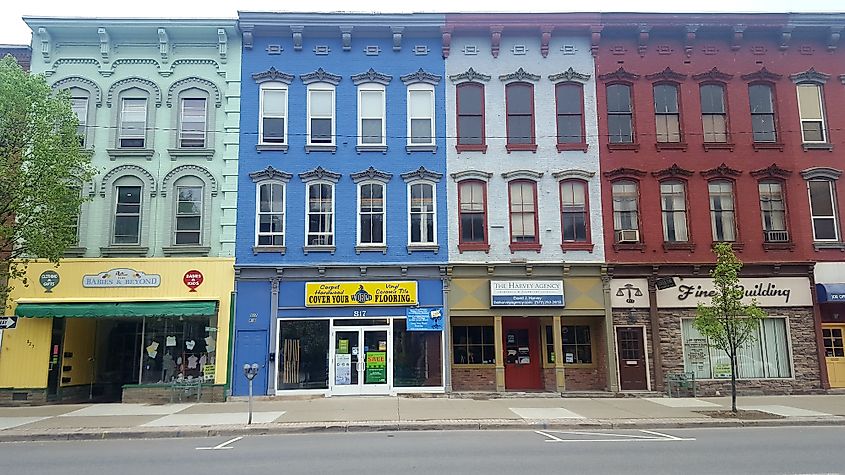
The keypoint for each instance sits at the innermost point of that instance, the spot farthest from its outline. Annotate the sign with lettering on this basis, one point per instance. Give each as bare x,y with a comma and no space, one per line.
371,294
424,319
49,279
121,277
376,363
629,293
7,323
193,279
526,293
766,291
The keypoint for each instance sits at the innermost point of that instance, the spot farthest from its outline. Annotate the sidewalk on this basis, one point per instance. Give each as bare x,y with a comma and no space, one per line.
347,414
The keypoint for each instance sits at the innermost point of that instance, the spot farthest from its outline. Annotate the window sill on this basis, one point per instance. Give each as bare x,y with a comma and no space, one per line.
471,148
525,247
474,247
371,148
778,246
75,252
115,153
521,147
271,147
829,245
474,365
708,146
186,251
735,245
124,251
548,365
320,148
633,246
671,146
767,146
577,246
423,248
307,249
421,148
678,246
256,250
561,147
817,146
623,146
206,153
359,249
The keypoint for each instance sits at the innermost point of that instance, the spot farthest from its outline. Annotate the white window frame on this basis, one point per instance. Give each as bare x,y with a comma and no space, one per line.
820,97
308,186
426,88
321,87
182,121
143,136
358,214
831,187
83,120
114,215
274,86
433,186
372,87
258,212
176,214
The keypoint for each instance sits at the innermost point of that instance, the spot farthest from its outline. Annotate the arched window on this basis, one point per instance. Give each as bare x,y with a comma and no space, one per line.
472,215
722,210
811,109
620,114
763,118
470,112
371,113
321,114
422,213
575,219
189,216
569,105
519,101
626,211
128,206
320,214
522,196
673,205
270,214
773,211
714,114
420,114
273,111
667,113
371,214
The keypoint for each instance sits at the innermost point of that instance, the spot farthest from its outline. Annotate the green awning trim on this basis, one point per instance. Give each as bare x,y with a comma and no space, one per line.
117,309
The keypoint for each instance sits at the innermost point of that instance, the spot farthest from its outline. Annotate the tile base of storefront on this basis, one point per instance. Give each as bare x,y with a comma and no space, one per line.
473,379
23,397
164,394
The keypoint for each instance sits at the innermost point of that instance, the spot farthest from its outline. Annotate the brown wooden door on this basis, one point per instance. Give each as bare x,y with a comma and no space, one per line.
632,365
522,353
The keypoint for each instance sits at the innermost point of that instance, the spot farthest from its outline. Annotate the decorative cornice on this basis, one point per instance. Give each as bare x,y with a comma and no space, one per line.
421,174
128,169
666,75
371,174
189,170
713,75
82,83
469,75
673,171
619,75
273,75
573,173
270,173
471,175
519,75
421,76
772,171
320,75
372,76
569,75
522,175
134,81
623,172
810,75
721,171
762,75
194,81
821,172
321,174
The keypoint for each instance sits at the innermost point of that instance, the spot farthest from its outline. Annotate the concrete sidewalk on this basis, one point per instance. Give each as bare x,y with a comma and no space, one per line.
342,414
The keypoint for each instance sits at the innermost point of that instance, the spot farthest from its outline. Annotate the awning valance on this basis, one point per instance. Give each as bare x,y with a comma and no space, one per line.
828,293
117,309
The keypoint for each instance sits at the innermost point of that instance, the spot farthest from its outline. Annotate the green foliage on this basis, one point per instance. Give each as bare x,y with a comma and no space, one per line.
42,169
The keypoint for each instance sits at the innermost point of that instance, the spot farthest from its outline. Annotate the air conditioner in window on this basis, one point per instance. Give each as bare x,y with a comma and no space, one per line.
628,235
776,236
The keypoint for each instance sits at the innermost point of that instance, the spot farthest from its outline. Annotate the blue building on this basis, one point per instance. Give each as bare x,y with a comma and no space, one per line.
341,235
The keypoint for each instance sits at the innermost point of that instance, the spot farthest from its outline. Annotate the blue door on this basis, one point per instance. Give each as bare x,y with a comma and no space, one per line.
251,347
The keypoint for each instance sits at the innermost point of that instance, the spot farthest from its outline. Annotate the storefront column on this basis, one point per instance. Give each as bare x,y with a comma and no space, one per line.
447,338
560,376
610,337
272,377
500,359
817,323
655,335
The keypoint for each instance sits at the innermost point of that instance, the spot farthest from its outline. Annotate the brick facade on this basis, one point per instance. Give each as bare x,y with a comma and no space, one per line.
473,379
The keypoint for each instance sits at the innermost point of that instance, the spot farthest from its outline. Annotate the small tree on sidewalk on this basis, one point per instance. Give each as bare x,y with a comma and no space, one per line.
727,322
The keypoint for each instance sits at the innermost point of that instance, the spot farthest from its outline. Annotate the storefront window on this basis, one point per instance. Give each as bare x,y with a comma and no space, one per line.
417,360
765,357
178,348
303,354
473,344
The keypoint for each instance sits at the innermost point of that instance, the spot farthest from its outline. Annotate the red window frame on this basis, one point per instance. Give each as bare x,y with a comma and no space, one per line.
473,246
524,246
510,147
482,147
681,142
582,144
577,245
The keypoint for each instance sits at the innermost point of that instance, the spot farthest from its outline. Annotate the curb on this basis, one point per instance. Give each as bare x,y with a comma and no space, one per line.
11,435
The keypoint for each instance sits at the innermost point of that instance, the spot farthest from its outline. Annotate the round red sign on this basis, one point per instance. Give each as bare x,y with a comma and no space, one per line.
193,279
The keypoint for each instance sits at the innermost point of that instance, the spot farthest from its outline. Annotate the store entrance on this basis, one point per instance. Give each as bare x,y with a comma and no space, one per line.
361,360
834,354
522,353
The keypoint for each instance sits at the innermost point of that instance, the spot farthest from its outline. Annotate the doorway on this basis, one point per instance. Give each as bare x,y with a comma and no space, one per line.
834,354
633,368
361,360
522,353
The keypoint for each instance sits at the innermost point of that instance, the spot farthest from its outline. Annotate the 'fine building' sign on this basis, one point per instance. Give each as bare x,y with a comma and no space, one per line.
526,293
371,294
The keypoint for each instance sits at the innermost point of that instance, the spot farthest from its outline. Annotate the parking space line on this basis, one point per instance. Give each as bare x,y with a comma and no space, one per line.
223,446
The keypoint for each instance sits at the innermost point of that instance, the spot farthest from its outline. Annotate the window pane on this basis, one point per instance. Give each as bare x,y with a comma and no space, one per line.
712,99
618,98
520,129
821,201
133,123
372,103
420,103
824,229
126,229
470,129
274,102
470,99
809,101
760,97
665,99
715,128
568,99
421,131
274,130
519,99
321,104
812,131
569,129
620,129
371,131
321,130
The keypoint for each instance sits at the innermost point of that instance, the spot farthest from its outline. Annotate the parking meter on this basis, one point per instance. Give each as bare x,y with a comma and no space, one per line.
250,371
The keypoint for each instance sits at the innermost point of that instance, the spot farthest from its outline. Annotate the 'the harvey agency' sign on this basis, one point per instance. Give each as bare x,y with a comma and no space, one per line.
526,293
768,292
121,278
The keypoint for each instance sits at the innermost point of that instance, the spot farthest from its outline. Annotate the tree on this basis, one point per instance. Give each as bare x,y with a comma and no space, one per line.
727,322
42,169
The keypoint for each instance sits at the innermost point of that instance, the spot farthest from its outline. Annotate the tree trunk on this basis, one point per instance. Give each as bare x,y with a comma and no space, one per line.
733,383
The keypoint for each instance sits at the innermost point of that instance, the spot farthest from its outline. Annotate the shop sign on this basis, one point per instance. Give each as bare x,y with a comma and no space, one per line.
371,294
49,279
376,367
629,293
343,369
121,277
208,372
193,279
7,323
767,292
526,293
424,319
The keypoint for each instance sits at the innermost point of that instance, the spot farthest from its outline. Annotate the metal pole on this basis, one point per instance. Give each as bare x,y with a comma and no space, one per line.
249,421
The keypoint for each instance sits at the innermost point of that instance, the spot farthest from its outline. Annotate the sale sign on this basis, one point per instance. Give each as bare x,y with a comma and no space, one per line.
193,279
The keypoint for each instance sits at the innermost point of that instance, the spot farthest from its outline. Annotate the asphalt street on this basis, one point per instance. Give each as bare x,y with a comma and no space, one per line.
785,450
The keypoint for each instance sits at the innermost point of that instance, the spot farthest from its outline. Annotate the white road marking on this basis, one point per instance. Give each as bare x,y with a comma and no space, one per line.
223,446
660,434
551,437
652,437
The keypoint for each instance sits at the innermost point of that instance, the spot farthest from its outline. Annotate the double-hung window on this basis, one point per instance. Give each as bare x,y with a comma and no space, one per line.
270,219
320,215
523,214
371,111
420,114
714,117
761,99
673,203
421,214
569,102
127,216
188,215
192,123
472,214
79,105
519,99
773,211
667,113
823,210
620,114
321,114
75,220
811,109
273,126
470,112
626,211
722,210
573,208
371,213
133,122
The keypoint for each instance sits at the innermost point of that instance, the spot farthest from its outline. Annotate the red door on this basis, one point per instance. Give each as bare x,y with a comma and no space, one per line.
522,353
632,367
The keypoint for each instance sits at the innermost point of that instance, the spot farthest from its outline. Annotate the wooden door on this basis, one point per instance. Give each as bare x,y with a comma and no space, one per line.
632,365
834,354
522,353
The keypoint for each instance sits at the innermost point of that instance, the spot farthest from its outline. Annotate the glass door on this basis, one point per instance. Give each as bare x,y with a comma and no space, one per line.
361,360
